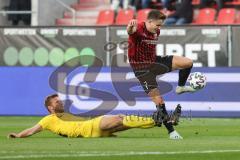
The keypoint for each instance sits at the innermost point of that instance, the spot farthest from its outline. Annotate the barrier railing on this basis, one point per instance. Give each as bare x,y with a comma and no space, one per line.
70,9
34,12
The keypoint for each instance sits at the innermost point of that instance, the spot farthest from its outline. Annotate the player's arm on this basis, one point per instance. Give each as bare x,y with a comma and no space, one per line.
27,132
132,26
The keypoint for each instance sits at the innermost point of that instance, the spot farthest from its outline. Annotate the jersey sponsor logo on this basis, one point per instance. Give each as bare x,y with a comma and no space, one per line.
150,41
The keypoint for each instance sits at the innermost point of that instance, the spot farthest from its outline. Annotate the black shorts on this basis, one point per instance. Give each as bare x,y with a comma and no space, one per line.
147,77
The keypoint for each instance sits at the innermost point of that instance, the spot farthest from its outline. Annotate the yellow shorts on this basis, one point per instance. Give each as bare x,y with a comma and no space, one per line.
91,128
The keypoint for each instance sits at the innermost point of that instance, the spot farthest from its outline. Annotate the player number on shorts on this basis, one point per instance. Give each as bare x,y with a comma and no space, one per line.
146,85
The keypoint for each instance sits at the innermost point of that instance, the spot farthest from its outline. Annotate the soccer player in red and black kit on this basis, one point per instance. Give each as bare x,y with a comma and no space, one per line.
147,65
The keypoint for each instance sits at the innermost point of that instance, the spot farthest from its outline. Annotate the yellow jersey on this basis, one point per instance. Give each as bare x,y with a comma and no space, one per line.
68,125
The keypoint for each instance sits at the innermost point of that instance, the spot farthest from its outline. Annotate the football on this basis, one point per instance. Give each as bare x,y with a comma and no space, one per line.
197,80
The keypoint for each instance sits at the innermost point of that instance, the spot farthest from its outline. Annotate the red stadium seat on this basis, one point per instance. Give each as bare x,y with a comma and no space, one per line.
226,16
124,16
195,2
105,17
205,16
142,14
234,2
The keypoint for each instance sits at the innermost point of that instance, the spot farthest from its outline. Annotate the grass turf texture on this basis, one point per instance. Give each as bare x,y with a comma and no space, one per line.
215,139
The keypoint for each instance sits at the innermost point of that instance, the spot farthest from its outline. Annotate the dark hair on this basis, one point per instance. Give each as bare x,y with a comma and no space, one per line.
48,99
156,15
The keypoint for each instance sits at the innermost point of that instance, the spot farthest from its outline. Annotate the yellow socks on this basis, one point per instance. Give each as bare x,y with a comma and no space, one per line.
138,122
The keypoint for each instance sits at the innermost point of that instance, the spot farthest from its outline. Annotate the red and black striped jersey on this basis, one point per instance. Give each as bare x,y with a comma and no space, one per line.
142,47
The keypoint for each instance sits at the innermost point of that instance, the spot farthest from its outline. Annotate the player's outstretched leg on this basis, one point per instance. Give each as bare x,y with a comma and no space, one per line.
123,122
168,123
174,118
158,118
184,65
161,109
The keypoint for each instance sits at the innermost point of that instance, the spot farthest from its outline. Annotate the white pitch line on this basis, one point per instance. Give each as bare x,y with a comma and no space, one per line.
108,154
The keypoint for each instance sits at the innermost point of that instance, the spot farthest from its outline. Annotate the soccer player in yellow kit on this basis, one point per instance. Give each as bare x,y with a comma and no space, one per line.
68,125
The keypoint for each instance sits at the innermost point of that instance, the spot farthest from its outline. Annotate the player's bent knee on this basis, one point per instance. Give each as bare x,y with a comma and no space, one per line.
121,115
119,120
189,63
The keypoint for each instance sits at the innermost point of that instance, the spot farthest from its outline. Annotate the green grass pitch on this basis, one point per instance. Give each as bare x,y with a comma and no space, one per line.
204,139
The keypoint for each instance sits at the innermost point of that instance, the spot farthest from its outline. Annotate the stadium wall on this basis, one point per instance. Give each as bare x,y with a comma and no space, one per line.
208,46
24,90
3,18
30,60
235,46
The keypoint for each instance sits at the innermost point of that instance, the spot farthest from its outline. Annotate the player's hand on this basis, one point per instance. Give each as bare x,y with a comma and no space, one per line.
132,26
132,23
12,135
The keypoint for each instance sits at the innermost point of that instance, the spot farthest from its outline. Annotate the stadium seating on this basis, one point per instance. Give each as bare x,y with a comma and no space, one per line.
80,7
195,2
167,12
91,1
97,12
94,15
105,17
205,16
142,14
89,6
124,16
237,17
234,2
79,22
156,5
87,12
226,16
